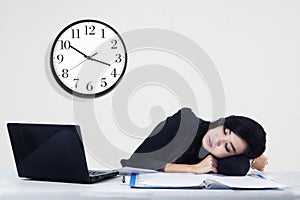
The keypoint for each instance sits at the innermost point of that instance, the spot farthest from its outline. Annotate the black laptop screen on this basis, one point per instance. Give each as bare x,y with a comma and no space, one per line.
44,151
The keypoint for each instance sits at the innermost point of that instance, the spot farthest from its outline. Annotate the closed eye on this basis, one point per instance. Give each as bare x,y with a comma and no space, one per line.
226,147
232,147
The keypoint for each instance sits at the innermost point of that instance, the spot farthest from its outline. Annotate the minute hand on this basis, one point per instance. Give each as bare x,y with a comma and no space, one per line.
79,52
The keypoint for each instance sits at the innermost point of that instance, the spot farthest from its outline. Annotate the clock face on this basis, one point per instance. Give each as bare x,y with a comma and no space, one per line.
88,58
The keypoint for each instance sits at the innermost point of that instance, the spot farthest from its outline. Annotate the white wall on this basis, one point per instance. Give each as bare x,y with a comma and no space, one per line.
254,45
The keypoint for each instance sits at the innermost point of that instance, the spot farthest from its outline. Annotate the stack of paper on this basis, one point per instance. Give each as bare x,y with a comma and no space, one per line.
205,181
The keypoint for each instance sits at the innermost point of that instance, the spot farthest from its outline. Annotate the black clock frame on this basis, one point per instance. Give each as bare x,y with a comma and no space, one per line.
78,94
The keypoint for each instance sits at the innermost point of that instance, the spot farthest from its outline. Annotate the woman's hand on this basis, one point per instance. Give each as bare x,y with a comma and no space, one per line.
209,164
259,163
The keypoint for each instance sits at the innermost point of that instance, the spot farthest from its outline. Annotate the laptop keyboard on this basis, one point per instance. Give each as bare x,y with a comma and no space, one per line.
95,173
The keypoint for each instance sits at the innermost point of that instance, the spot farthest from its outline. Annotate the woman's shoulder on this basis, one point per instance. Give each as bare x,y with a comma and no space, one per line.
187,111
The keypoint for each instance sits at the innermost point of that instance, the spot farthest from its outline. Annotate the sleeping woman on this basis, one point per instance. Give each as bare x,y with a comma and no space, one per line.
185,143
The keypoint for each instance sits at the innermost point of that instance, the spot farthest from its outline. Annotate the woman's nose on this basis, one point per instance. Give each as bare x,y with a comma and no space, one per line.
221,141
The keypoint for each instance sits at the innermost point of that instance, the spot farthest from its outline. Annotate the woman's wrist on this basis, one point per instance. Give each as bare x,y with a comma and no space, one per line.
185,168
252,162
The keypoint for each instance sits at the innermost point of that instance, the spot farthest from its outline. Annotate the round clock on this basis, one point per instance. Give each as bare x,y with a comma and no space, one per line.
88,58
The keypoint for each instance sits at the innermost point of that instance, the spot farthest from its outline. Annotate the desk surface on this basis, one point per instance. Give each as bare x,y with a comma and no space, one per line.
11,187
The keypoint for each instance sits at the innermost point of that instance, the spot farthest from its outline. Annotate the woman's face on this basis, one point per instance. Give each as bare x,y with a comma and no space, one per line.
222,142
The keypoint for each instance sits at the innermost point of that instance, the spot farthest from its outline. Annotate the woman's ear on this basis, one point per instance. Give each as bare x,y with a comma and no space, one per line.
237,165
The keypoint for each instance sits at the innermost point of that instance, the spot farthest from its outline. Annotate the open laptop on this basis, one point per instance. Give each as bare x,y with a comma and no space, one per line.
52,152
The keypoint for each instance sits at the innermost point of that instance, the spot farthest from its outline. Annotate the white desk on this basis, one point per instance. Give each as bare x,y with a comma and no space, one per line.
11,187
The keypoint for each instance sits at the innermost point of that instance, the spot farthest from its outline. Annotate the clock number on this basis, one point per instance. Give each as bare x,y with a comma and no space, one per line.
114,72
89,30
76,82
89,86
64,44
114,46
75,33
103,82
118,60
60,58
102,31
75,46
65,73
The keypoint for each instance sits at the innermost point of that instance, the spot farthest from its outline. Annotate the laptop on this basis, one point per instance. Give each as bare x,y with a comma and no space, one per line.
52,152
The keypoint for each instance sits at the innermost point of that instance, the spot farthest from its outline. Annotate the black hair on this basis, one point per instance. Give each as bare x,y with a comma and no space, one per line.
250,131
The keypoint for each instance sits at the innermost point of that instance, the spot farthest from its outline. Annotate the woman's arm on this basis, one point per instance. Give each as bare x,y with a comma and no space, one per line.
209,164
259,163
167,141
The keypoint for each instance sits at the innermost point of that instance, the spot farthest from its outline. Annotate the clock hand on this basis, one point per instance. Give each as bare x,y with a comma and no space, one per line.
98,61
80,52
83,61
89,57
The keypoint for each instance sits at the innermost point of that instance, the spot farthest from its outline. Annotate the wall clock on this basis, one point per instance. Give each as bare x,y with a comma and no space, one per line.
88,58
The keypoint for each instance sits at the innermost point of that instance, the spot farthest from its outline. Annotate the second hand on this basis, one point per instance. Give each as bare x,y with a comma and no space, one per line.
83,61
